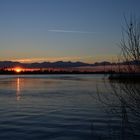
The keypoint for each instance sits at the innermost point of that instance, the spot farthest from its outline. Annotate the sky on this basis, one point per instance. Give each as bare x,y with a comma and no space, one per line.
63,30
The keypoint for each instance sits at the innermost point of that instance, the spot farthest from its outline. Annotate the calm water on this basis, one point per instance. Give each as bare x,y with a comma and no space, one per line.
67,107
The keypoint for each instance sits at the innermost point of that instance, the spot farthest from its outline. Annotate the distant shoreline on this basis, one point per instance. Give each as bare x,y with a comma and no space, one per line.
55,72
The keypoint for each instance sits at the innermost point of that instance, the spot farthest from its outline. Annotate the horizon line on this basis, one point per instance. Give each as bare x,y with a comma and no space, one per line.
22,62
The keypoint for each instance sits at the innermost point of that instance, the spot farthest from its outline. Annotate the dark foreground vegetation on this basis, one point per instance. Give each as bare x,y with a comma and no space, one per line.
130,51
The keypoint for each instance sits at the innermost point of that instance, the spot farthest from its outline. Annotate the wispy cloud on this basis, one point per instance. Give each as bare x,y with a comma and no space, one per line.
52,59
86,58
71,31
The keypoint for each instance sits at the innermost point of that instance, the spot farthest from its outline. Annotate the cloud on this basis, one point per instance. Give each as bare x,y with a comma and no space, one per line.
71,31
51,59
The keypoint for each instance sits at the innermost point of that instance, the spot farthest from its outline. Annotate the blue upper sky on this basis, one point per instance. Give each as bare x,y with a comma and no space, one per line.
52,30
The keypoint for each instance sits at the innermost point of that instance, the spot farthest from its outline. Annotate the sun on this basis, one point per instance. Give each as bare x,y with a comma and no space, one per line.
18,70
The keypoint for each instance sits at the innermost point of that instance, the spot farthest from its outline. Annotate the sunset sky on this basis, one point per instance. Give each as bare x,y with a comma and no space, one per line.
68,30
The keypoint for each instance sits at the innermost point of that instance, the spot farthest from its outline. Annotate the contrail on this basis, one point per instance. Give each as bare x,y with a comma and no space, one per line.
71,31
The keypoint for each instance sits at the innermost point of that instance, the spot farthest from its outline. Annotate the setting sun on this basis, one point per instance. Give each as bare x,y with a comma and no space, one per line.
17,70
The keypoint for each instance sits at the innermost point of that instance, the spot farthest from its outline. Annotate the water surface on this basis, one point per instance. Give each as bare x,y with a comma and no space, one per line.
64,107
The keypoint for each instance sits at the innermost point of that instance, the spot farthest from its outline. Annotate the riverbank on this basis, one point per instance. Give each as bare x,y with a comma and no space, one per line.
125,76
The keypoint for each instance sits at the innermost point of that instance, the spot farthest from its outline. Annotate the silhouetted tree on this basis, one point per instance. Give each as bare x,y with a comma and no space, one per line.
130,44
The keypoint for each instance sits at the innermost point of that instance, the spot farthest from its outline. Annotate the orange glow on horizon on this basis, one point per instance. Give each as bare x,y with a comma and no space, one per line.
18,69
21,69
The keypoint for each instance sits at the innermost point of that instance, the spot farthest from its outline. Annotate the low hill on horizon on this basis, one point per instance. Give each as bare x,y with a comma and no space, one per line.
57,64
60,64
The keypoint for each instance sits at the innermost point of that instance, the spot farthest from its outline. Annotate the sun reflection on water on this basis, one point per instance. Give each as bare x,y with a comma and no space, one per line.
18,96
